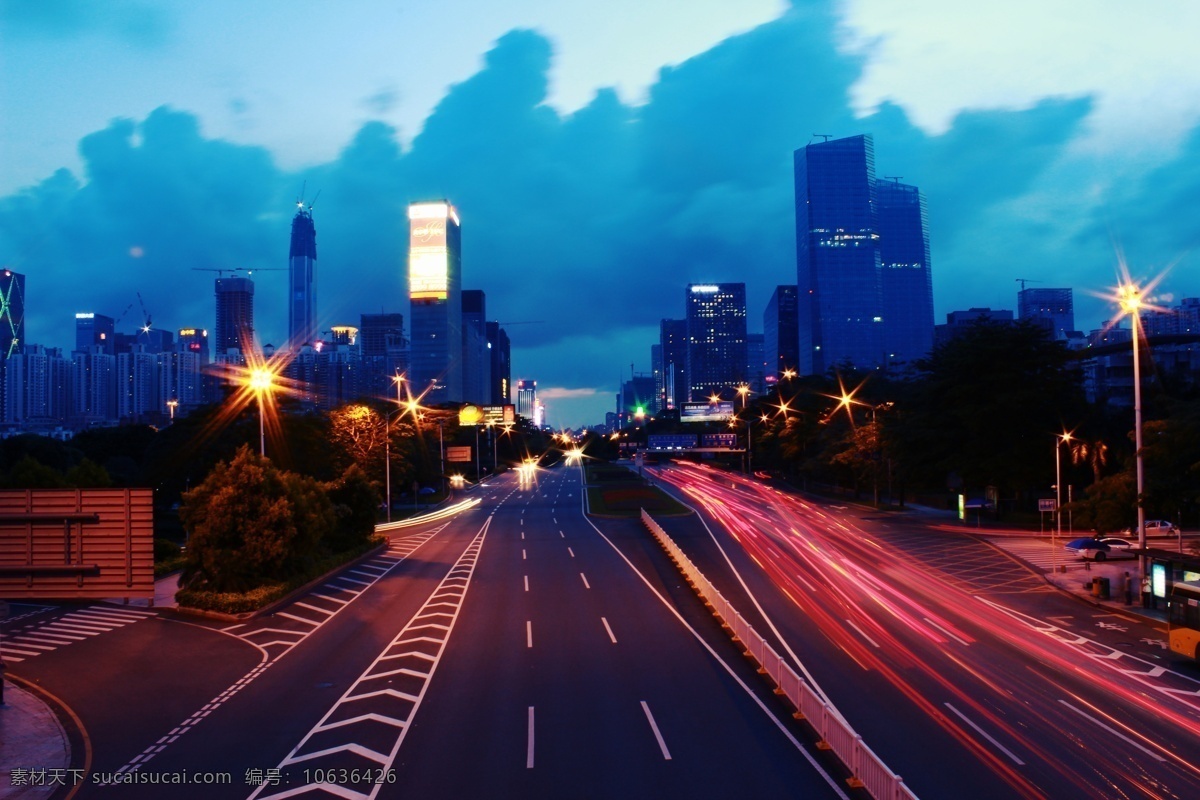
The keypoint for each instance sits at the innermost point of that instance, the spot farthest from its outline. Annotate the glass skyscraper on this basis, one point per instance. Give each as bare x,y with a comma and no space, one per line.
716,339
673,342
302,281
840,307
907,287
781,349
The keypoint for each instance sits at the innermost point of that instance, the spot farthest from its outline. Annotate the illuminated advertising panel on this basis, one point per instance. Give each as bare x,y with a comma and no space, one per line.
706,412
499,415
428,256
469,415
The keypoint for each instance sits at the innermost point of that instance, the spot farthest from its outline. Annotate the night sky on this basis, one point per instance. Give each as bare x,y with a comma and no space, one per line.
601,155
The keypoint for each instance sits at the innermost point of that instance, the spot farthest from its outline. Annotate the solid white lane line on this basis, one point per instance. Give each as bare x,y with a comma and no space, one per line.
1114,732
607,628
985,735
860,633
572,552
657,734
948,633
528,633
586,585
529,745
527,583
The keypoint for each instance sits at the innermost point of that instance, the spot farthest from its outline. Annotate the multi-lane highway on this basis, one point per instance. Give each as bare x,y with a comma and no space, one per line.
515,650
960,667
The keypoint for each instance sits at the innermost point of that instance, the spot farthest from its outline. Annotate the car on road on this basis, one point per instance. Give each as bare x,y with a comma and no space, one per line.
1155,527
1101,549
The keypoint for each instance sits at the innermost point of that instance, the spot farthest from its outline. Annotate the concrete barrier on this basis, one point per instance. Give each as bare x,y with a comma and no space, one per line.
867,771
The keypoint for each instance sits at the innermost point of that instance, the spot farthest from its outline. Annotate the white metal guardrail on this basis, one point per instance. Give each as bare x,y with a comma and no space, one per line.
866,769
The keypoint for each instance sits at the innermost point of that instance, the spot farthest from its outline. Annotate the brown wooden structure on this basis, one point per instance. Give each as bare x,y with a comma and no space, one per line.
76,543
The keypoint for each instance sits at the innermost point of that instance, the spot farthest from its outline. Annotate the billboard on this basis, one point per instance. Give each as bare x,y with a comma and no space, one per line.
458,454
428,256
499,415
706,412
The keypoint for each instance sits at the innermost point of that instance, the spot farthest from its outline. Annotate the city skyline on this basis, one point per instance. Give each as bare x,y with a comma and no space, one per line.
1045,163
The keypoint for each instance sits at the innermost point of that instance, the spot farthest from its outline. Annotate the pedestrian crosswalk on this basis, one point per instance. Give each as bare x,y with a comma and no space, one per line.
1043,554
44,636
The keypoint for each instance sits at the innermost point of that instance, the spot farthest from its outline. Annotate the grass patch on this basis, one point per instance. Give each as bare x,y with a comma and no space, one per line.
615,491
256,598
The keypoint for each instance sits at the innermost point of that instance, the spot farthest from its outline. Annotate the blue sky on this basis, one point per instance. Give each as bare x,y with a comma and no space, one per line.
601,155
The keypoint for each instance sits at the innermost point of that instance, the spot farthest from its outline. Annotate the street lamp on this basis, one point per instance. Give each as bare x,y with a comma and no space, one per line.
1059,440
172,405
1130,297
260,382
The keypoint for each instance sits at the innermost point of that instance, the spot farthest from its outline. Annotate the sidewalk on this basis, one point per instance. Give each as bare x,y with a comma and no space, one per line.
32,738
1077,581
34,748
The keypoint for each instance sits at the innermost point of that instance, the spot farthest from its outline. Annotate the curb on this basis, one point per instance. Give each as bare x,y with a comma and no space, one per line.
73,730
282,601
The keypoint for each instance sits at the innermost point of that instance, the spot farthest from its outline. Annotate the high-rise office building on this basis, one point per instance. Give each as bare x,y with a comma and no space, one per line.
1052,308
384,351
95,330
526,398
840,307
756,363
673,340
12,312
716,339
302,280
477,361
656,369
781,350
501,373
906,281
434,287
235,314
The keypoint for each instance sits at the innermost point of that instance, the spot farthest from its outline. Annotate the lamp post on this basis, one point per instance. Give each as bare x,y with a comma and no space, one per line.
1059,440
171,406
260,382
1131,303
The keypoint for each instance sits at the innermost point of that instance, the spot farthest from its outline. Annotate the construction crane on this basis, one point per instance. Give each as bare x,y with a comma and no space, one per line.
247,270
145,313
1024,281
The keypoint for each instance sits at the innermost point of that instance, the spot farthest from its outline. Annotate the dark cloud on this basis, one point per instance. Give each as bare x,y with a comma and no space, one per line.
131,21
592,221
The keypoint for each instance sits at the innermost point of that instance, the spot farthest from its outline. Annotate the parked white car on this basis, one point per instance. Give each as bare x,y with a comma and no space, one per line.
1156,527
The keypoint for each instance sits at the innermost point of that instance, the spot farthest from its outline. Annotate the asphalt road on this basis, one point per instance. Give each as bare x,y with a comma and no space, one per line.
958,665
515,650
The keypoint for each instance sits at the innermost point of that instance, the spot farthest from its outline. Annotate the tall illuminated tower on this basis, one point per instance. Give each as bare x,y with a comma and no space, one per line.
716,339
435,290
12,312
302,280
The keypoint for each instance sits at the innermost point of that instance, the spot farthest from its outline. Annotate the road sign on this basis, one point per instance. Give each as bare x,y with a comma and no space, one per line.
458,454
1047,504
